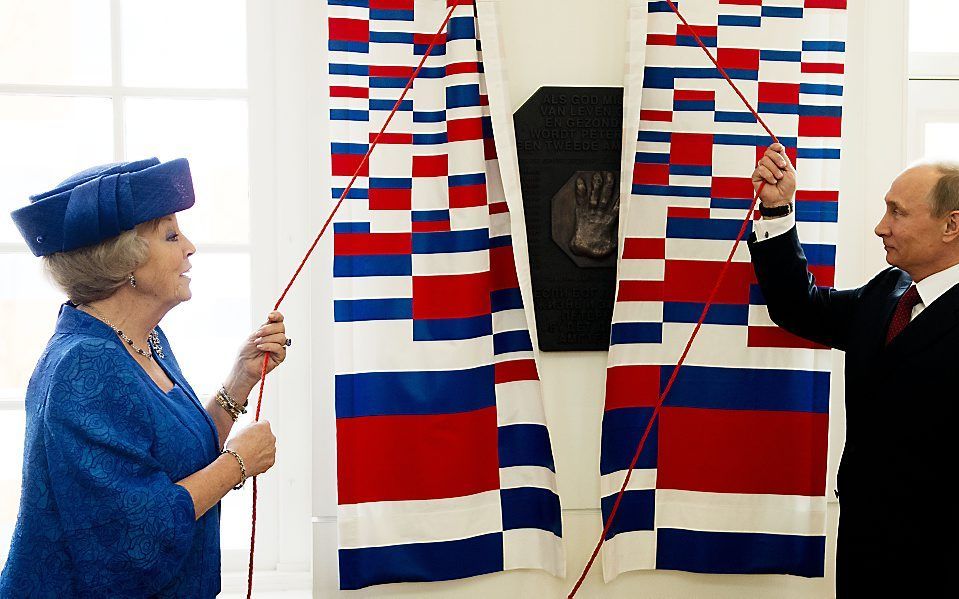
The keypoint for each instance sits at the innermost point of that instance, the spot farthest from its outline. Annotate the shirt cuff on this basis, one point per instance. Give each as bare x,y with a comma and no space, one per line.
767,228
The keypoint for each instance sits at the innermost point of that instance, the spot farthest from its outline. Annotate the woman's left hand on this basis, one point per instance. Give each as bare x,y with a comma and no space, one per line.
270,339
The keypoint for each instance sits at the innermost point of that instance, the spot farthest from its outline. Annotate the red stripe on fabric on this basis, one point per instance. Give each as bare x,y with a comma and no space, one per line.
464,129
742,451
391,71
515,370
424,39
820,126
656,115
458,68
369,244
692,281
644,248
823,67
344,165
632,387
684,212
502,268
650,174
640,291
694,149
779,93
701,30
345,91
742,2
660,39
737,188
738,58
396,458
825,274
839,4
349,30
489,149
777,337
431,166
393,138
431,226
826,195
694,95
391,199
468,196
451,296
391,4
498,208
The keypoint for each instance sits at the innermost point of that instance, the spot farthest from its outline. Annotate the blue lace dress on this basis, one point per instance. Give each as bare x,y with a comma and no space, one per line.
100,514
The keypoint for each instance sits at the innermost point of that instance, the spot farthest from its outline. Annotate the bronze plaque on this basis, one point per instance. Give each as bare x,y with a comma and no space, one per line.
569,141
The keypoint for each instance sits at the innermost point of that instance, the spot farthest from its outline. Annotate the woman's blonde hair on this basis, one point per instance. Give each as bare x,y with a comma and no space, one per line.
95,272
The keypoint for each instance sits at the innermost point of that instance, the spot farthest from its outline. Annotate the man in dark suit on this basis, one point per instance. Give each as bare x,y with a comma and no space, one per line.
898,524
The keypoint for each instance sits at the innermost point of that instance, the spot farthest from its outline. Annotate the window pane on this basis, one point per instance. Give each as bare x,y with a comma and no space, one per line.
212,134
67,41
11,446
932,26
43,140
183,43
940,141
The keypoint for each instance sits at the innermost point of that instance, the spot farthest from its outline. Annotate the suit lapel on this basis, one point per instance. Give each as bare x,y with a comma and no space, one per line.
932,323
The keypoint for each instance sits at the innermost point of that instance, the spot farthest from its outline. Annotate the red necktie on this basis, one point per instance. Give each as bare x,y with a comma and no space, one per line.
903,313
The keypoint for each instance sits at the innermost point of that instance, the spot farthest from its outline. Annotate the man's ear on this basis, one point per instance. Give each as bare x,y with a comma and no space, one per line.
952,227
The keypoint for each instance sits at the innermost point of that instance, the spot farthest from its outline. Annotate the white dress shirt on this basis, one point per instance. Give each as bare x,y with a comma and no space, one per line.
930,289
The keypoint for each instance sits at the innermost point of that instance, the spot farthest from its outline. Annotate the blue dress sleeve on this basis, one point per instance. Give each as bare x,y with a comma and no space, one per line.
128,526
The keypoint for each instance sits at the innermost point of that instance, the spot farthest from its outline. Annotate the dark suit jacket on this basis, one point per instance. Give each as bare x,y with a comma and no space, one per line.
898,518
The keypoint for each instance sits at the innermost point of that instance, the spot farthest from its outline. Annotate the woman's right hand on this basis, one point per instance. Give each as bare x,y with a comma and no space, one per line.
256,444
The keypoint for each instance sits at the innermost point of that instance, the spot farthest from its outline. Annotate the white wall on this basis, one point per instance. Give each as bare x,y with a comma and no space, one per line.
582,42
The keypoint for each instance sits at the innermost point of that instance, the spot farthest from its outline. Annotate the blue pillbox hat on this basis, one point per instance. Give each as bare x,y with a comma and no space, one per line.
102,202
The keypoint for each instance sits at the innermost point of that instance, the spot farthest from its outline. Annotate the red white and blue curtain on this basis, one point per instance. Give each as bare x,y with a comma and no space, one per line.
732,478
445,468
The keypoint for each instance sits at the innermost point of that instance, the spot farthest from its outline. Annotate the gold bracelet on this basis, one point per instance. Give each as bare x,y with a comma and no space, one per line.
242,468
230,405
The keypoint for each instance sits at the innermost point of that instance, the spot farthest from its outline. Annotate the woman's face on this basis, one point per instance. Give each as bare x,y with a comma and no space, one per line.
164,274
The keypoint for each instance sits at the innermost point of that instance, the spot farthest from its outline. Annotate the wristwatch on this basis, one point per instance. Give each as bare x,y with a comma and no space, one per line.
775,211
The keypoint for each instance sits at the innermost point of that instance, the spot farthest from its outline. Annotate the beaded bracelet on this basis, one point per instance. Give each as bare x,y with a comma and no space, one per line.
242,468
230,405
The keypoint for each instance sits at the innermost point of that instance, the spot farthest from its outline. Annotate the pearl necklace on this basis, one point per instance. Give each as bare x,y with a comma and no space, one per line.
153,338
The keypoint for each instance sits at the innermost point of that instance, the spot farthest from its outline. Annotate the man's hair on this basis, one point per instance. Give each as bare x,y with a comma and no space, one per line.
944,197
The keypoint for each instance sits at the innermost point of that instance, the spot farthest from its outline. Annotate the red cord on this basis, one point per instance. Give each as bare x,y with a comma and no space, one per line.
699,323
309,252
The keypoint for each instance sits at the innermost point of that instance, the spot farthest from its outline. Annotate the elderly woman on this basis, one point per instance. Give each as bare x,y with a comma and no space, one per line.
123,466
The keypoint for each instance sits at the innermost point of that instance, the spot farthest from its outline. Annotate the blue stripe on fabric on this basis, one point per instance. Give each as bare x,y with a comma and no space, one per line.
821,89
461,28
353,3
435,116
531,507
652,158
446,242
823,46
818,153
731,314
450,329
355,193
703,228
418,392
690,169
739,552
430,216
348,46
391,14
506,299
655,136
661,6
391,183
511,341
462,96
525,445
622,430
421,562
432,73
388,82
785,12
780,56
693,106
664,77
813,110
500,241
345,227
688,40
635,332
391,37
730,204
681,191
725,116
345,148
747,388
636,511
777,108
359,70
819,254
387,105
733,139
438,49
372,266
429,139
343,114
467,179
739,21
372,309
817,212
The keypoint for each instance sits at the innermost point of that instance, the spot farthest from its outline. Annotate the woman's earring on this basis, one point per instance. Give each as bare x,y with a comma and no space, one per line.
133,281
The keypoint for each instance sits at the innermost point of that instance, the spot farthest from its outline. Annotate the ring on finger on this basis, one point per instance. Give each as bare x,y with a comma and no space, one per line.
288,342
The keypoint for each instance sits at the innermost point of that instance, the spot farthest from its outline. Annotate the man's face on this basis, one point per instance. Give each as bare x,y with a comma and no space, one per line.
911,234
